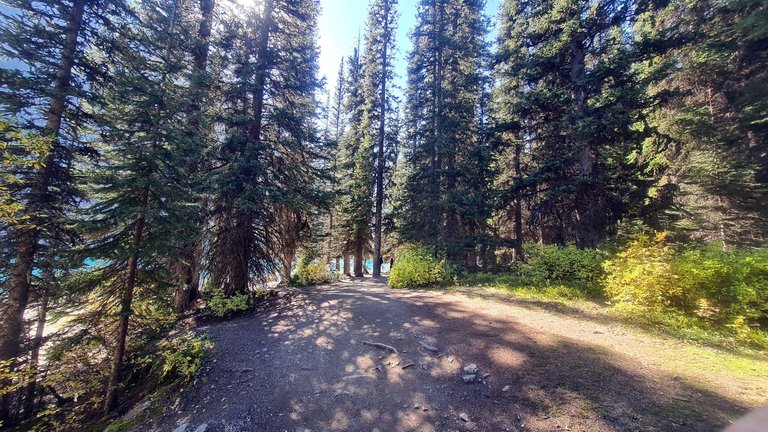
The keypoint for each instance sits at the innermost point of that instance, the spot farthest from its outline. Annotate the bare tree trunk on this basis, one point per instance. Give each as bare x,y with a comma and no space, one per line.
380,154
286,268
519,253
346,265
13,314
37,343
359,260
126,300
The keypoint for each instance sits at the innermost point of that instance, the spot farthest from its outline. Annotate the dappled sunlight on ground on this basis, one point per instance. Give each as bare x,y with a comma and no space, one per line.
312,369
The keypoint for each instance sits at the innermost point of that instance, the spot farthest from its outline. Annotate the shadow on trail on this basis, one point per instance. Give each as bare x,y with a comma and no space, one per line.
303,365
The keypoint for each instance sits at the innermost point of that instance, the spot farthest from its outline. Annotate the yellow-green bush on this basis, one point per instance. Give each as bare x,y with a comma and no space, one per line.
183,357
222,305
643,274
726,287
311,273
417,267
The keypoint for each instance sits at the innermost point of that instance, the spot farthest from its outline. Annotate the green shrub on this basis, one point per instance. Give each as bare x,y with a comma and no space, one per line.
222,305
183,357
418,267
701,287
732,286
311,273
569,265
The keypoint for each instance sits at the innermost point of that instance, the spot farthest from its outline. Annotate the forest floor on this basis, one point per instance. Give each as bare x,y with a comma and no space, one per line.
304,364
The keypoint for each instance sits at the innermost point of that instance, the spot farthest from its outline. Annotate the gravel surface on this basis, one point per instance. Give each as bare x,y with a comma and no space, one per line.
358,356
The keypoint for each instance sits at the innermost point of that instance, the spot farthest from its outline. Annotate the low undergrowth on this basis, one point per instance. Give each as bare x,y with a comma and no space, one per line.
696,292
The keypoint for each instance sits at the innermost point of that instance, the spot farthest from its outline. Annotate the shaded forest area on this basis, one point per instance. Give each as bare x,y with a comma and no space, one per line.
160,152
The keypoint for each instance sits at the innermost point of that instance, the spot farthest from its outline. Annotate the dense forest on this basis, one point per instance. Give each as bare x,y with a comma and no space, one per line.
160,152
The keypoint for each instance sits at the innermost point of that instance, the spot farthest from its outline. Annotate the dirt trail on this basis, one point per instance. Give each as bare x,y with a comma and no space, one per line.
304,366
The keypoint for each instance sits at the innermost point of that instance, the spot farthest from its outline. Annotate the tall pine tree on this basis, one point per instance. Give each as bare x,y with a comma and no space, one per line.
270,155
447,190
46,86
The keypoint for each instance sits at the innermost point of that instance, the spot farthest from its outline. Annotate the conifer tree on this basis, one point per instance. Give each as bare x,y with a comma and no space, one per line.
198,124
140,187
379,58
271,150
447,188
571,91
709,160
348,146
46,85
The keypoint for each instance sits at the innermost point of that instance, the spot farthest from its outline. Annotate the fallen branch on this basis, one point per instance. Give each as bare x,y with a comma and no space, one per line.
428,347
408,365
381,346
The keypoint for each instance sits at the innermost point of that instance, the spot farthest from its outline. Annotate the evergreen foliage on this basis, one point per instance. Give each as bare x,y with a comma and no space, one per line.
446,192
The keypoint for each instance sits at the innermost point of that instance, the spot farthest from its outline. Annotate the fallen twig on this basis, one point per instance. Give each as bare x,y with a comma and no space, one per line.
408,365
428,347
381,346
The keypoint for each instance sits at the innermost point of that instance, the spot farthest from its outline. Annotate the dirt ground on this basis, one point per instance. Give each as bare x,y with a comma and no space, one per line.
305,365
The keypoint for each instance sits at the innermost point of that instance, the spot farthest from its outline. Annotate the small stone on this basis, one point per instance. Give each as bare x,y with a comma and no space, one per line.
469,378
464,417
505,389
471,369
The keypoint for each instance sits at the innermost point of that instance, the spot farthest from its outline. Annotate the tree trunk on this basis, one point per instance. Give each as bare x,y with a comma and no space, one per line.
37,343
286,268
346,265
126,300
18,289
359,260
519,253
380,154
189,274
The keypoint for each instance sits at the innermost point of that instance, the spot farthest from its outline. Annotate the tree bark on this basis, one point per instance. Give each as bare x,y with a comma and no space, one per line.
519,253
37,343
346,265
27,238
359,260
126,301
380,154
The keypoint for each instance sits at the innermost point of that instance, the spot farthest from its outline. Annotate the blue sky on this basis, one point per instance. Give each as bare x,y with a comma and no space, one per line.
342,20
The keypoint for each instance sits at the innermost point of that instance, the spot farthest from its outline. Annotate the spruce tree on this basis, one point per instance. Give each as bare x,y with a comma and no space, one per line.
572,93
46,86
270,157
446,147
348,145
379,58
140,187
198,125
709,161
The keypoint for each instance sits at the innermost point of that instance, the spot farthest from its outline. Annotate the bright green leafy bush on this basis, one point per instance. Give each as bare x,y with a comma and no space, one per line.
311,273
183,357
417,267
550,264
222,305
692,289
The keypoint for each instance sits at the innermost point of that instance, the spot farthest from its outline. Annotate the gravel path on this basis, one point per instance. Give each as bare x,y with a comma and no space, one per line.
305,365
